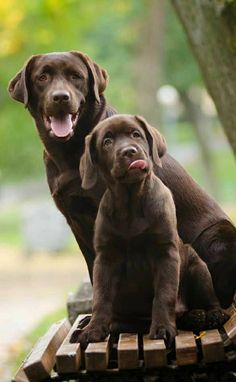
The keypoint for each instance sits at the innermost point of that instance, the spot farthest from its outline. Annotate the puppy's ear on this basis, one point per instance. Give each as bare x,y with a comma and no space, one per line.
156,141
87,167
98,75
18,86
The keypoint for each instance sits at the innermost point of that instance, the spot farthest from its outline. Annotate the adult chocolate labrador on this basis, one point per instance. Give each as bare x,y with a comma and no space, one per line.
64,94
141,266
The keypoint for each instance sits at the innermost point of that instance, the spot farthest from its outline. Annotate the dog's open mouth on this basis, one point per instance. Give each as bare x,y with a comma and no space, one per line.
138,164
61,126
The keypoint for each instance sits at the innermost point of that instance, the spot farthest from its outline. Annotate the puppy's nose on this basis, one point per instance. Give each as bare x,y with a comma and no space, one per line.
129,151
60,96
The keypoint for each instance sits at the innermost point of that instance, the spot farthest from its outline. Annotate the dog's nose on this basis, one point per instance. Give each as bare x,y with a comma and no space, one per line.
129,151
60,96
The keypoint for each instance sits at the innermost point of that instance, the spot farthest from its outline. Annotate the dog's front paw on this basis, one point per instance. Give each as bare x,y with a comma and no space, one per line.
92,333
165,332
194,320
215,318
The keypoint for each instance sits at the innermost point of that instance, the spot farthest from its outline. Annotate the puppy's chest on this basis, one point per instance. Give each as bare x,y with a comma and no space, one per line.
129,227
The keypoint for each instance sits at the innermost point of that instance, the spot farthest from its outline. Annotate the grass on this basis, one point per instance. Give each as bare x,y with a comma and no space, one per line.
10,222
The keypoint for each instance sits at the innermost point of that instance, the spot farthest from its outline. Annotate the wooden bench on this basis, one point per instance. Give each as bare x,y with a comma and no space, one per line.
58,357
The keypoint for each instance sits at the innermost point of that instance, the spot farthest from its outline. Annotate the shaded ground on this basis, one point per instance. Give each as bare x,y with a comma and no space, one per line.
29,289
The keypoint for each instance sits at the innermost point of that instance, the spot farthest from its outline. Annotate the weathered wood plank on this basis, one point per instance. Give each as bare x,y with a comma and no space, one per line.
212,346
20,375
230,328
97,356
231,310
41,360
68,356
127,351
186,348
154,352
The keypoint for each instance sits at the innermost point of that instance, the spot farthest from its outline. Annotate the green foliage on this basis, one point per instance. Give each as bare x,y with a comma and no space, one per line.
180,68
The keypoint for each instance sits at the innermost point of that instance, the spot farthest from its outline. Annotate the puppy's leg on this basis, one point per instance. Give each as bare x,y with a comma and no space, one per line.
165,266
206,311
217,247
104,280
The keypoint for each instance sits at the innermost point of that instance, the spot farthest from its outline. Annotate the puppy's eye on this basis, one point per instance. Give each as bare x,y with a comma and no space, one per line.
76,76
136,134
43,77
107,142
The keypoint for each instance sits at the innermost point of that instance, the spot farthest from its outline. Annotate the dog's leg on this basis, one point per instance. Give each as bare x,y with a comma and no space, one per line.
166,266
105,278
205,310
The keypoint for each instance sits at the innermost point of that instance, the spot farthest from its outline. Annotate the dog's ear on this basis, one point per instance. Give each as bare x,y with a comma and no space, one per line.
156,141
98,75
18,86
87,168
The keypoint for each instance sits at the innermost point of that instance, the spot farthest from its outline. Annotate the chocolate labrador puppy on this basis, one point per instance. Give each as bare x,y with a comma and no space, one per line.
141,267
64,94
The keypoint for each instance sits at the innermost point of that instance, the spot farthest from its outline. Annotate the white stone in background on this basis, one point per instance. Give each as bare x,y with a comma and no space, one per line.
44,227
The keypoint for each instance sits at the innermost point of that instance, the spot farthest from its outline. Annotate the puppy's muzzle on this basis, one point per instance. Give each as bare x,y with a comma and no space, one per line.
129,152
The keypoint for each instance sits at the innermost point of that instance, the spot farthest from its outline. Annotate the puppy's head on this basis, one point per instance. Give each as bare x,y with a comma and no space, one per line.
57,88
123,148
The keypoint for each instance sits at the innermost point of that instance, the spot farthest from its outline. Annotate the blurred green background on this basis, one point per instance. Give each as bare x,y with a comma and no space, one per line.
152,72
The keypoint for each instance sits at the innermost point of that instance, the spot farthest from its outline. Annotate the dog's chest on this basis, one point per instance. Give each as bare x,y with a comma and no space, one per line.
134,291
130,227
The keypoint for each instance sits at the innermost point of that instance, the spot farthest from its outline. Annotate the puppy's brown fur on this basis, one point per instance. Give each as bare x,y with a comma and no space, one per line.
43,86
141,266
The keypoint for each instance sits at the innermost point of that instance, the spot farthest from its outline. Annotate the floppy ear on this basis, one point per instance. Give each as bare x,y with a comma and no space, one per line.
156,141
98,75
18,88
87,167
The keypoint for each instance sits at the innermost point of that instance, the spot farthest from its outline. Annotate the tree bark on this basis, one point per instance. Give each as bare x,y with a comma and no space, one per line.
211,29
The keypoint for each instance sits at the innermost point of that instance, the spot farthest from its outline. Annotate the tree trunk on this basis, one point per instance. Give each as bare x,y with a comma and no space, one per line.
211,29
149,59
198,121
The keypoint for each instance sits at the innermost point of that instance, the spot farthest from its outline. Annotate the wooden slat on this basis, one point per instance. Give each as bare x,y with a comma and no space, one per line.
154,352
186,348
231,310
230,328
97,355
41,360
68,356
20,375
212,346
128,351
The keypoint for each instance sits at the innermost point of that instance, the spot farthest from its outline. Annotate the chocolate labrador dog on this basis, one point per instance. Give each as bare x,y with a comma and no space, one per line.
141,267
64,94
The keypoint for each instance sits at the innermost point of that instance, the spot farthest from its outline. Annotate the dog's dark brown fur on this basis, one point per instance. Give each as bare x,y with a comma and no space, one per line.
141,267
43,85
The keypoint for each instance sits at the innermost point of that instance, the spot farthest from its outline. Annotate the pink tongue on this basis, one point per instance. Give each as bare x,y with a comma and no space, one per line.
140,163
61,126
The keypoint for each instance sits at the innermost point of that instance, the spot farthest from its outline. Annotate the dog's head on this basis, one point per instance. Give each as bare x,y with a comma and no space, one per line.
124,148
56,87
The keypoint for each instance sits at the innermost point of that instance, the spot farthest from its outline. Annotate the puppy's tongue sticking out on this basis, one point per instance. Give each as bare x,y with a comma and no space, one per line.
139,163
61,126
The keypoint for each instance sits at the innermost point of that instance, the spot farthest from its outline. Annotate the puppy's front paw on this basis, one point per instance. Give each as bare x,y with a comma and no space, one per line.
92,333
215,318
165,332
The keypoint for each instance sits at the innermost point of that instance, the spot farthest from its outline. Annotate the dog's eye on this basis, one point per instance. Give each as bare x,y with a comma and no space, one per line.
107,142
76,76
136,134
43,77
